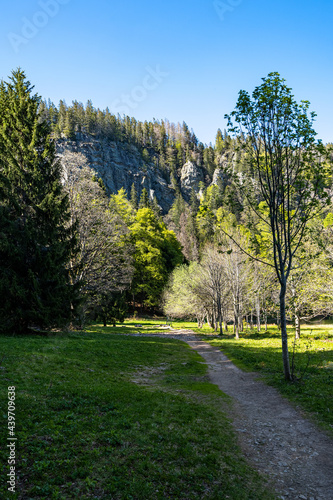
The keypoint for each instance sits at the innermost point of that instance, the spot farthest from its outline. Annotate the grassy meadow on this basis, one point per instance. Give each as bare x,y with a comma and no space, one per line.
103,415
311,359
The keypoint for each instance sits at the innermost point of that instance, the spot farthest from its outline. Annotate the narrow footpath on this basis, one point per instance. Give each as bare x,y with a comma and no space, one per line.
295,456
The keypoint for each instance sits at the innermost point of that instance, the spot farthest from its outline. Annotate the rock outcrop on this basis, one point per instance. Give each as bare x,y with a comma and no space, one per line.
190,177
218,176
119,165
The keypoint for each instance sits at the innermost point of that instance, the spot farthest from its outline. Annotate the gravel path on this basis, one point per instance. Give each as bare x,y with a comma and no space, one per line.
276,439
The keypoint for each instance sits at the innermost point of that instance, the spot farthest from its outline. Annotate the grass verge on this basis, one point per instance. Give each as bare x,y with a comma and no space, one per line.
100,415
312,390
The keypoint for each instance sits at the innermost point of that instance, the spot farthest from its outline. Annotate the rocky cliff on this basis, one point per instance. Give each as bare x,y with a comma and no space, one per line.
120,165
190,177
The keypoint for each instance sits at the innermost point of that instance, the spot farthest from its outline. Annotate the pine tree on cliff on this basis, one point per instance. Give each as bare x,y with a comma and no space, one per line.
144,199
134,197
36,240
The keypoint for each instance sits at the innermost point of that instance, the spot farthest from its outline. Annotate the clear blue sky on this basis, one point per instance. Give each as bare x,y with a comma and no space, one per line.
203,53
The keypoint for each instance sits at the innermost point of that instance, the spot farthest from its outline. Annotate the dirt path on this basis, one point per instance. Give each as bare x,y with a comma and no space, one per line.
276,439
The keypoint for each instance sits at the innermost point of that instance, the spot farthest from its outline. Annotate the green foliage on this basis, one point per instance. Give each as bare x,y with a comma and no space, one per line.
110,308
177,209
163,144
155,207
219,142
69,127
36,240
290,171
288,164
205,221
134,197
120,205
179,298
144,199
157,252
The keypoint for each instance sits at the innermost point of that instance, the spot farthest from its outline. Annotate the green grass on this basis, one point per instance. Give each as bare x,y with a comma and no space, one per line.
312,389
100,415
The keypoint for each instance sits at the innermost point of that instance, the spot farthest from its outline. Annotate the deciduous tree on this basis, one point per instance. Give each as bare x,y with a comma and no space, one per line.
103,264
157,253
286,163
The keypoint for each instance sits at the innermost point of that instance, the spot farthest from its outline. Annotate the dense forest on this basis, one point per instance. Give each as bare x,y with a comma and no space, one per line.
83,252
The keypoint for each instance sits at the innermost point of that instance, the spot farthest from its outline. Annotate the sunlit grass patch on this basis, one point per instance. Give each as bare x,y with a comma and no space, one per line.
312,388
86,429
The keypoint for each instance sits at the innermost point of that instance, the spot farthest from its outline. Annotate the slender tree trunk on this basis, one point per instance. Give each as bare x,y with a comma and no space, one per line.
297,325
284,336
241,323
240,317
251,319
221,324
258,312
220,315
236,327
215,319
265,320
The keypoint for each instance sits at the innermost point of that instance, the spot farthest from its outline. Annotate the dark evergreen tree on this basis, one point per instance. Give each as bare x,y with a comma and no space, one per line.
62,116
209,160
155,207
219,144
194,203
90,118
134,197
162,141
171,158
52,114
111,308
36,241
144,199
177,209
69,128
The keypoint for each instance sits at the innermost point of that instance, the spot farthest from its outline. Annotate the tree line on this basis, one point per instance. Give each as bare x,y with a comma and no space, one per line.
68,251
283,197
253,241
166,146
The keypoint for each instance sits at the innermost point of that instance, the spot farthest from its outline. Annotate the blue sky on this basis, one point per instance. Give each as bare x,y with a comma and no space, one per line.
181,60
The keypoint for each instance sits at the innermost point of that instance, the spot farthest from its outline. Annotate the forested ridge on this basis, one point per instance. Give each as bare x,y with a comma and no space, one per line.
210,255
166,145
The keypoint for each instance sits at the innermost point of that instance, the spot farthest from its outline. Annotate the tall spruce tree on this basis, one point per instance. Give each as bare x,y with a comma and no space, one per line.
134,197
144,199
36,239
